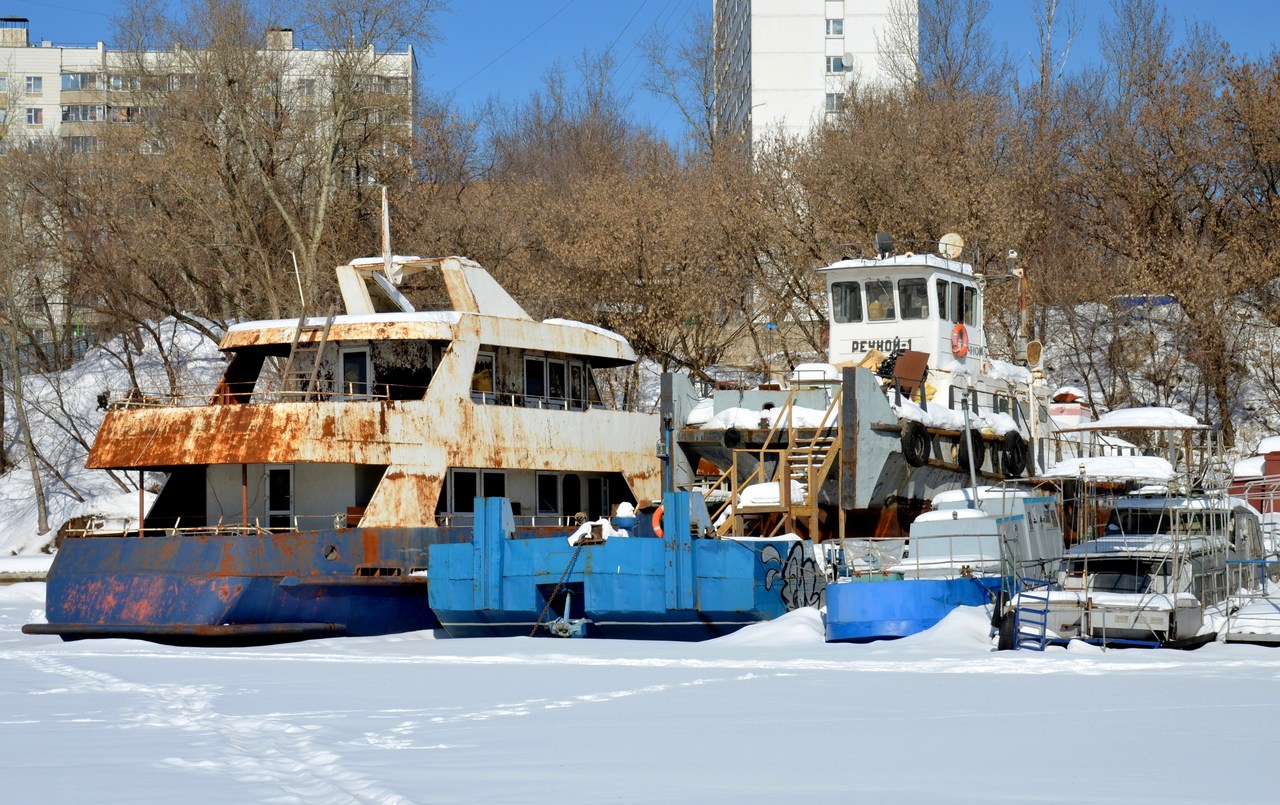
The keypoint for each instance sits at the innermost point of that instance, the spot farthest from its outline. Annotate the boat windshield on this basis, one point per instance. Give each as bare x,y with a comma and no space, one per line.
1122,575
1165,521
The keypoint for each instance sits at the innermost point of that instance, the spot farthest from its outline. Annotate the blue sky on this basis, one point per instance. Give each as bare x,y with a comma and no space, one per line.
503,48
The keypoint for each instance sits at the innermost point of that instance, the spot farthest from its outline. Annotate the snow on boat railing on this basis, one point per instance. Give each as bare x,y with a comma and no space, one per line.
234,525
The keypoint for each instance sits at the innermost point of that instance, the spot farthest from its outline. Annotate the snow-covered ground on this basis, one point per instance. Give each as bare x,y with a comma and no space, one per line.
766,714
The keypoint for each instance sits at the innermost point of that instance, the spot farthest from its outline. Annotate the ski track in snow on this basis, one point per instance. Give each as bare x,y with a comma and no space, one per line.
257,749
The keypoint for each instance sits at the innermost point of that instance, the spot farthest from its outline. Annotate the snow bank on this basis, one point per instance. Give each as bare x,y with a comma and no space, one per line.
64,413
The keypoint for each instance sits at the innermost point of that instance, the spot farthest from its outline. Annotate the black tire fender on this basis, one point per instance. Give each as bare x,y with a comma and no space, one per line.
979,447
915,443
732,438
1013,455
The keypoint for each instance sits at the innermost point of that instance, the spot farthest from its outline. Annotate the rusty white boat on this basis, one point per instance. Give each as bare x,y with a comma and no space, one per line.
303,492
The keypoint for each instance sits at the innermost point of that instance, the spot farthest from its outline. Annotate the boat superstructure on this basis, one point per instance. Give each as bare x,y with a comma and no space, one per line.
935,409
301,493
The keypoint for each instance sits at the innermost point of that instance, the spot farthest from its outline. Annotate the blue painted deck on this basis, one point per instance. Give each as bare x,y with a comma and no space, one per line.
888,609
673,588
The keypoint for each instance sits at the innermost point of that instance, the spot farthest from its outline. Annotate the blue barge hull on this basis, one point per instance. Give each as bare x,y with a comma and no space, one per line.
676,587
240,588
884,610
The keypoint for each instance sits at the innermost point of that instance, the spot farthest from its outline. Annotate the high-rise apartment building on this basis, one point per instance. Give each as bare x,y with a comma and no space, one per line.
72,92
782,64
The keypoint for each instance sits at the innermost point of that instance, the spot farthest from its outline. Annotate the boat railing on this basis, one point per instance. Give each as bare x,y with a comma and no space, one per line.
525,521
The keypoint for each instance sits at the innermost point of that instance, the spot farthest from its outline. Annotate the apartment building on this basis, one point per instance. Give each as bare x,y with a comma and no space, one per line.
71,92
783,64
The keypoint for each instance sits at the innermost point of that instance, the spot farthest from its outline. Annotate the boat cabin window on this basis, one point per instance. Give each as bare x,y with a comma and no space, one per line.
913,293
880,305
467,485
482,379
557,383
548,493
846,302
355,372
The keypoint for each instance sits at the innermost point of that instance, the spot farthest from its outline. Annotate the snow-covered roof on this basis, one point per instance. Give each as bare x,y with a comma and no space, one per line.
1118,468
907,260
1251,467
1269,444
1154,418
582,325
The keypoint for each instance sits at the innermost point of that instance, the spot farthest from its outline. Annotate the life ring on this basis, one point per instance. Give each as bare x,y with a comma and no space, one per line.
1013,455
915,443
657,521
960,341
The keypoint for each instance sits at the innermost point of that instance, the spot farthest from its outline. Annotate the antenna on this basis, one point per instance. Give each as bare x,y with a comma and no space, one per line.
297,275
386,233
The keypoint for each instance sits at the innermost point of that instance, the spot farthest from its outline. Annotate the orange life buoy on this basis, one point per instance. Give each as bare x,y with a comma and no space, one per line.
960,341
657,521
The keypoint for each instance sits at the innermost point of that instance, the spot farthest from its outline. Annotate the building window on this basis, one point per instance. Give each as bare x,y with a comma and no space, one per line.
835,27
81,145
835,64
126,83
307,87
4,84
834,99
125,114
81,113
35,117
4,115
35,85
72,82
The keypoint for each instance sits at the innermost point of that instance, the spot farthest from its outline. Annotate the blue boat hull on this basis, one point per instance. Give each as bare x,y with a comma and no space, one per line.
240,588
669,588
884,610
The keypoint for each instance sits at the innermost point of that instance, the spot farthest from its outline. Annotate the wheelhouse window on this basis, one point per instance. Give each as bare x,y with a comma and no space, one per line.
846,302
970,306
557,383
577,387
944,300
535,381
880,305
483,378
914,296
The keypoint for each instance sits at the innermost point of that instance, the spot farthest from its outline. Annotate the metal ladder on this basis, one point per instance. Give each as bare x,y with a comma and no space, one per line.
1031,623
297,374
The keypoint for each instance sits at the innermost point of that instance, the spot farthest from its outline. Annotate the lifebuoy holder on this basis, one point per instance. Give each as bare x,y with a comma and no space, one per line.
960,341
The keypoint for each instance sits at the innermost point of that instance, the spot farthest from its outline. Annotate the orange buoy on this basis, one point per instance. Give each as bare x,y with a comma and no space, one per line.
657,521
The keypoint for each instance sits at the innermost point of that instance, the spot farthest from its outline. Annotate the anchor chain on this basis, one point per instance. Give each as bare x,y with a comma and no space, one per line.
558,587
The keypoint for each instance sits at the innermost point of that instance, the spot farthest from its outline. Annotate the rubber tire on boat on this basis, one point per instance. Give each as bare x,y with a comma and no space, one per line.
732,438
1013,455
979,451
915,443
1008,639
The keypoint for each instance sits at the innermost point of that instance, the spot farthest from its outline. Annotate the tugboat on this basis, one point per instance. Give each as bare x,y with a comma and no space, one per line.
913,402
301,494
